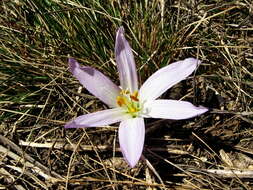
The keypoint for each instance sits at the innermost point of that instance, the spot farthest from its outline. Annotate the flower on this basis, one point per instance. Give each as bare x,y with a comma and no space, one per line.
130,105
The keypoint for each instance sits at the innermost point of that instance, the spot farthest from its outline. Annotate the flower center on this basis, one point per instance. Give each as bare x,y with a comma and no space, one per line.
129,102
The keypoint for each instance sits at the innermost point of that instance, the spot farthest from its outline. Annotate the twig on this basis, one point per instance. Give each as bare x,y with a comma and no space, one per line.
4,172
81,147
26,157
29,165
26,172
150,166
228,173
34,116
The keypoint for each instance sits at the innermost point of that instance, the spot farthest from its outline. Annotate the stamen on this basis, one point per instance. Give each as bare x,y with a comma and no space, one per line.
134,96
121,101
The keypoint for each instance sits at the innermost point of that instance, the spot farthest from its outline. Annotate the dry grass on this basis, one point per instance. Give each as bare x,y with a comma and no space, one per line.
38,94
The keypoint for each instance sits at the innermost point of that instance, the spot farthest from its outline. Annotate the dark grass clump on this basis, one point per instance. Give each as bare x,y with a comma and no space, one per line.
38,94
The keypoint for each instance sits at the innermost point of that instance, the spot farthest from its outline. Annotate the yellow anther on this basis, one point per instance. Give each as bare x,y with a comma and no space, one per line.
134,96
121,101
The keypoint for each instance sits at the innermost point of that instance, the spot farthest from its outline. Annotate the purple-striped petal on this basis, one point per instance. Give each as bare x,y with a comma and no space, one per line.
98,119
95,82
166,77
172,109
125,62
131,139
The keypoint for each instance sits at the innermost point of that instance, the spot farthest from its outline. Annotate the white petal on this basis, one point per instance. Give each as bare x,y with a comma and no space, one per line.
166,77
172,109
125,62
98,119
131,139
95,82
